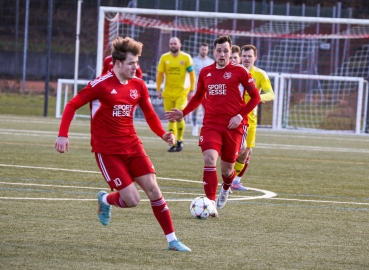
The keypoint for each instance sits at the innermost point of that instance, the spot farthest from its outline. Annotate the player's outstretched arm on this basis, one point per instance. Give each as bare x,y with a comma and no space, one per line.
62,144
168,137
174,114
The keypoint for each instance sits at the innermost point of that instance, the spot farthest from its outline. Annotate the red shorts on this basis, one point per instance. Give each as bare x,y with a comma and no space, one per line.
227,142
120,169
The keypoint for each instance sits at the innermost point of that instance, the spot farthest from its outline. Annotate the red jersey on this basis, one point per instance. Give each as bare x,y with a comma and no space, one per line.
112,107
108,65
223,99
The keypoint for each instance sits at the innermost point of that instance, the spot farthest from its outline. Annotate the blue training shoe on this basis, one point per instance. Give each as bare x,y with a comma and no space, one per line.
178,246
238,186
103,210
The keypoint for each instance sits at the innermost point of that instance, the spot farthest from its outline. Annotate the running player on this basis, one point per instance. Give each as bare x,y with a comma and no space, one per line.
118,150
225,120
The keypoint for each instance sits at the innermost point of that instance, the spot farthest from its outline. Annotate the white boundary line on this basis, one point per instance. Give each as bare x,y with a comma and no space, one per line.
266,194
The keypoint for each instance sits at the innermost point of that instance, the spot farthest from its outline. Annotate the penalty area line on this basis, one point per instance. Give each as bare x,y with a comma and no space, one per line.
318,201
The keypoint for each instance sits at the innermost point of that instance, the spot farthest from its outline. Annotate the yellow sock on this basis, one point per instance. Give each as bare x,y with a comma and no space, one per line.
172,126
180,129
238,167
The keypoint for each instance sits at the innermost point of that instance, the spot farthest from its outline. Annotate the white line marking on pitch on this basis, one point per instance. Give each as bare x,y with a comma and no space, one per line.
318,201
267,194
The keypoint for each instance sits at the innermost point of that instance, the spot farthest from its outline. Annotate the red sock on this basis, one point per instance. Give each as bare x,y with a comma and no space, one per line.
227,181
240,174
210,180
162,214
115,199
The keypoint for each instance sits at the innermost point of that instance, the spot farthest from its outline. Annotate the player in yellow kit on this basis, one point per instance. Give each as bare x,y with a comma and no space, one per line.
180,79
262,82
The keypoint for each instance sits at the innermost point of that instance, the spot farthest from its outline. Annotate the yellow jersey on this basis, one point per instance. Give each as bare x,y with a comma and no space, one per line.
177,79
262,82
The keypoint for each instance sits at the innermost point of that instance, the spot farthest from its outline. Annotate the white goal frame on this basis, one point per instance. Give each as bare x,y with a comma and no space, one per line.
281,104
283,95
218,15
284,103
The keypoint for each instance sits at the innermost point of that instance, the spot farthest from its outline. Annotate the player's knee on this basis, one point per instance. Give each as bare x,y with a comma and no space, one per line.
210,160
227,171
132,202
154,193
242,157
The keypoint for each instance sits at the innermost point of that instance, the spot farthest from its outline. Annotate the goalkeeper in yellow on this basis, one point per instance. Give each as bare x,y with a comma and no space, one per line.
262,82
180,79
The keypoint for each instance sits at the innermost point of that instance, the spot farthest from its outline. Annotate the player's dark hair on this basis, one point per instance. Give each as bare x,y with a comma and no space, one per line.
249,47
204,44
222,39
236,49
121,46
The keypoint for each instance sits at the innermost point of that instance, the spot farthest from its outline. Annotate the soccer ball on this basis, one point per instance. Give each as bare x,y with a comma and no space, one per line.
201,207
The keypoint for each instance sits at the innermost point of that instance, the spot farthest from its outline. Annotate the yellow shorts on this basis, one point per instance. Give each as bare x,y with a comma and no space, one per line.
251,131
174,102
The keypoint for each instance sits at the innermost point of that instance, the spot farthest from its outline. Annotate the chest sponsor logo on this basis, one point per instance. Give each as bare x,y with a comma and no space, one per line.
133,93
217,89
227,75
122,110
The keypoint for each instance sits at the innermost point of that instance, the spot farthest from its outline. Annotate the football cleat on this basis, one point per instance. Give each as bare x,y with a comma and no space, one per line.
172,149
214,212
238,186
179,146
222,198
176,245
103,210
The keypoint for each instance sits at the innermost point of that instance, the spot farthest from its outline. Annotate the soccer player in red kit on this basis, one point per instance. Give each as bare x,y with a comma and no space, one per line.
225,120
108,65
118,151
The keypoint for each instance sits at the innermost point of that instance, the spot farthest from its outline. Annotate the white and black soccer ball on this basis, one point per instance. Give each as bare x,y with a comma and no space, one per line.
201,207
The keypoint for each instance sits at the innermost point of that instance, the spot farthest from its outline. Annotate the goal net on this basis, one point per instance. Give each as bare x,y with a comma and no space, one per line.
332,48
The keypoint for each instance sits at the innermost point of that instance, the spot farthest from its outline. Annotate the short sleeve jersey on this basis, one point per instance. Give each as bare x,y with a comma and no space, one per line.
112,107
177,81
223,97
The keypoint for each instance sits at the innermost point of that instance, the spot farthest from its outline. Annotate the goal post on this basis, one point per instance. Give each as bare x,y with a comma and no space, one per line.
335,48
316,102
